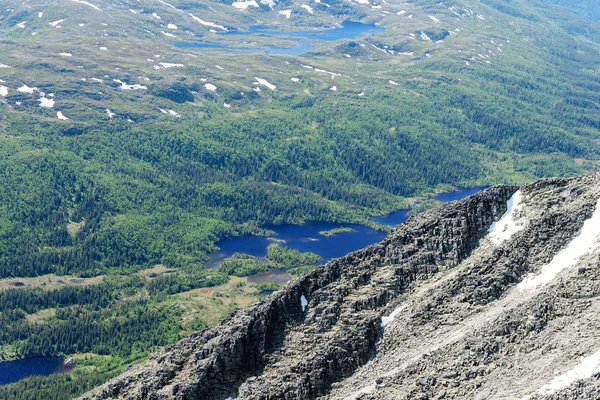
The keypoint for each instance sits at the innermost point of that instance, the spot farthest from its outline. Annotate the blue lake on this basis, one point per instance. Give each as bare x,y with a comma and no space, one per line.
306,237
300,41
12,371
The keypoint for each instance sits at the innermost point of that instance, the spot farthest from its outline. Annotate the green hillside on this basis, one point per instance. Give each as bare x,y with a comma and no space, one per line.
129,187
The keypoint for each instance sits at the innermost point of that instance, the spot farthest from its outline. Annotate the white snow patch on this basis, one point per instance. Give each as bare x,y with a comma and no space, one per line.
110,113
206,23
155,15
53,24
434,19
21,24
401,12
163,111
587,241
219,67
172,26
97,80
61,116
210,87
425,37
265,83
174,113
125,86
303,303
66,54
243,5
4,66
40,14
103,49
26,89
257,89
295,79
308,8
226,105
269,3
3,91
506,226
45,102
363,2
170,65
87,4
588,367
287,13
169,5
168,34
333,88
393,83
375,7
361,94
81,24
393,315
133,11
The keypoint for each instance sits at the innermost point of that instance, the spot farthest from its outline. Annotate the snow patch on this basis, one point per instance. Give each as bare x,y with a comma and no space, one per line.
3,91
506,226
587,241
97,80
87,4
401,12
333,88
170,65
393,315
172,26
243,5
393,83
125,86
21,24
588,367
308,8
434,19
286,13
295,79
226,105
269,3
61,116
168,34
45,102
66,54
40,14
303,303
174,113
4,66
210,87
206,23
110,113
53,24
26,89
265,83
219,67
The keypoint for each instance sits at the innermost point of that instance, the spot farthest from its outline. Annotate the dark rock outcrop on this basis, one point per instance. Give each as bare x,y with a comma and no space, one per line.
459,326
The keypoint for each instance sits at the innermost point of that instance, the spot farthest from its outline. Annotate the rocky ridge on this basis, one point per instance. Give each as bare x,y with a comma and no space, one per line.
440,309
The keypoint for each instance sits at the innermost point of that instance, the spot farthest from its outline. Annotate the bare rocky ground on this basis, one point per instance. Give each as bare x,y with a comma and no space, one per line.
460,321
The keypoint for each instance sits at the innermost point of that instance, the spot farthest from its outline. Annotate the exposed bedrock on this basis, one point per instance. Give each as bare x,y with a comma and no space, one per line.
459,320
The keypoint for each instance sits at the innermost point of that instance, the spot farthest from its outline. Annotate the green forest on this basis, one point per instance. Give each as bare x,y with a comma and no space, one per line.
138,203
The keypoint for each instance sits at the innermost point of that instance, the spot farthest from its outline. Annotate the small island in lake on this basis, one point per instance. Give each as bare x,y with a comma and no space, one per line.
336,231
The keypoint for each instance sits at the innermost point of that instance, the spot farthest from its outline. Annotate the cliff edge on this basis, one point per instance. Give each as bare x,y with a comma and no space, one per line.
496,296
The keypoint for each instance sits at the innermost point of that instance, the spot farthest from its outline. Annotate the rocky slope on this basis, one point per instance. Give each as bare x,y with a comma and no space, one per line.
449,305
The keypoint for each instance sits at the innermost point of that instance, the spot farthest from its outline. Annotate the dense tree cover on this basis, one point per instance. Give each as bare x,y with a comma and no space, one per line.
290,258
117,197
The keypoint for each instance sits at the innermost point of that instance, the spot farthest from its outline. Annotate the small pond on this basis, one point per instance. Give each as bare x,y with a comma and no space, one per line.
306,238
12,371
300,42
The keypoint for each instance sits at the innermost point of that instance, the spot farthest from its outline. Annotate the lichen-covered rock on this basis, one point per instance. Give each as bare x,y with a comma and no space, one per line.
458,322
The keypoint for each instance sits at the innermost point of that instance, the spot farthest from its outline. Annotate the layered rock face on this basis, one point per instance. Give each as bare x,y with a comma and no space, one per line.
493,297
